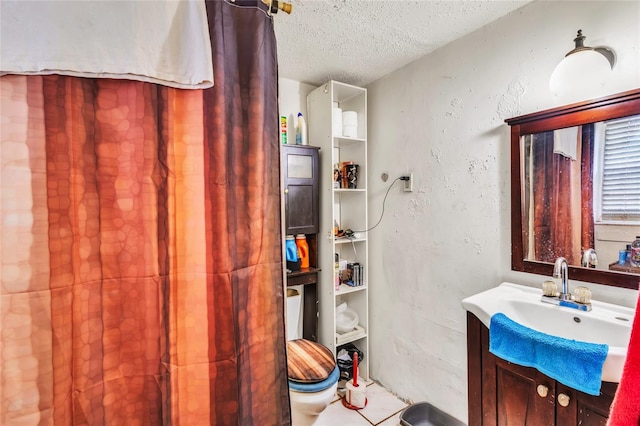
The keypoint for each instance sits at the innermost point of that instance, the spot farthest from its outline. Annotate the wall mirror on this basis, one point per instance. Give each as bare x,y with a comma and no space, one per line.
562,199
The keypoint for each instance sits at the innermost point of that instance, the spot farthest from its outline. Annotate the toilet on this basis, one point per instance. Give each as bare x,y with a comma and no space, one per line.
311,367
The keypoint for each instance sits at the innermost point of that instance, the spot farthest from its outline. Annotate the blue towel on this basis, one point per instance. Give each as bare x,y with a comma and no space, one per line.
573,363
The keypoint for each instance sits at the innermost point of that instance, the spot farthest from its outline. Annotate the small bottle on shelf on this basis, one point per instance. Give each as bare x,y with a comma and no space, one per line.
291,248
283,129
301,131
635,253
293,262
336,272
622,257
303,250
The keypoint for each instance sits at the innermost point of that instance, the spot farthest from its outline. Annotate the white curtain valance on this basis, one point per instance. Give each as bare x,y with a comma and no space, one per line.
163,42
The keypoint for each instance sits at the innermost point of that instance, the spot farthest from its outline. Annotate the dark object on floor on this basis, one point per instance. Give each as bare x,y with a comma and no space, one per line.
425,414
346,366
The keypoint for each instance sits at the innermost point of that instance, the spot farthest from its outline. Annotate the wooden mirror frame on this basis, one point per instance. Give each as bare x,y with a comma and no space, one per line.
602,109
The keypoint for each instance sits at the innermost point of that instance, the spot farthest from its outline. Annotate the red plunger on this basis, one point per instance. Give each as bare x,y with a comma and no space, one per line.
355,369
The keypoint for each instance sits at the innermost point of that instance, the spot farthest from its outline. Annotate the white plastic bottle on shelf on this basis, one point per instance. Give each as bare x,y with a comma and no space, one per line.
301,131
635,252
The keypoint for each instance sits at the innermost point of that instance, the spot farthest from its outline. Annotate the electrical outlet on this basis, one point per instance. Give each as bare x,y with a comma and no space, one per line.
408,184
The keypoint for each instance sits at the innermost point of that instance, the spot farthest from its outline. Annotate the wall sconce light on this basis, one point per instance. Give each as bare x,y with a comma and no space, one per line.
582,69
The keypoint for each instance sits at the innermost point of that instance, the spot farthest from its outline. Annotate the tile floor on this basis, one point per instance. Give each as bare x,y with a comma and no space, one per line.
383,408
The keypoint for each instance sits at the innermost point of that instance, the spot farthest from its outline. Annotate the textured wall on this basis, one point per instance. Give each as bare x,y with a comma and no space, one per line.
442,118
292,99
357,42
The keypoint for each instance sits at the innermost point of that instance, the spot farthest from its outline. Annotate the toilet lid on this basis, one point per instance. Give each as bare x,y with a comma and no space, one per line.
308,362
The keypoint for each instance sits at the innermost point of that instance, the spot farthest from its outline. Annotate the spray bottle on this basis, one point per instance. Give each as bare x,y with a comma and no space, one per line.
301,131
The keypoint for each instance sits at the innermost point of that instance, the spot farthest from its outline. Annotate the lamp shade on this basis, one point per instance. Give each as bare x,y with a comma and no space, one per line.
580,72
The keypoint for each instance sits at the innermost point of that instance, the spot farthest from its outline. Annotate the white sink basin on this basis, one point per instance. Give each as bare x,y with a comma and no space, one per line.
605,323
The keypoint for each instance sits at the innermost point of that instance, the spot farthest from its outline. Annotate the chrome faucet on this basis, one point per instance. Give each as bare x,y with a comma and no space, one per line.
589,258
560,270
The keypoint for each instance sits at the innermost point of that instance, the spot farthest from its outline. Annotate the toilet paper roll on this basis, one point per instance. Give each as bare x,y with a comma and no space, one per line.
337,121
350,131
356,396
350,118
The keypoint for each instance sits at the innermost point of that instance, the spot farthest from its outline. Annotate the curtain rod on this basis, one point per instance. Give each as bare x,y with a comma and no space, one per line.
274,5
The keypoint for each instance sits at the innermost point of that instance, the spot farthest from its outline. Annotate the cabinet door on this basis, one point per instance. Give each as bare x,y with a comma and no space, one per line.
524,396
512,395
300,172
584,409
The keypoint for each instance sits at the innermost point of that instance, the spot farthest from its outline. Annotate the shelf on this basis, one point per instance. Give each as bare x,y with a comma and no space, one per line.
347,190
303,277
627,267
351,336
301,272
342,141
348,240
346,289
346,207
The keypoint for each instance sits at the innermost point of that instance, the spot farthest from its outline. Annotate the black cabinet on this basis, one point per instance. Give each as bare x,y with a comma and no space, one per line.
301,205
300,173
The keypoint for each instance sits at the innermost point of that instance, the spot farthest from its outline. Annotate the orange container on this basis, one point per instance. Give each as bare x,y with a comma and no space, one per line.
303,250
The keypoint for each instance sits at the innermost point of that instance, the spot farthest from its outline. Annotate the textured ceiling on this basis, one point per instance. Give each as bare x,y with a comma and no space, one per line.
359,41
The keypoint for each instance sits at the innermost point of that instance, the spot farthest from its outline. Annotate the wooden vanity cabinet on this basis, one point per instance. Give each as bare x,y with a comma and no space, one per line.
503,393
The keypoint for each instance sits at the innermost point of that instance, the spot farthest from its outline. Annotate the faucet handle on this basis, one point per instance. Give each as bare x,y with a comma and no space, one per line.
549,288
582,294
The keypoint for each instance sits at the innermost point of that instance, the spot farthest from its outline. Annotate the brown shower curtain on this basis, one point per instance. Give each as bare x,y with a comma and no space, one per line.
140,244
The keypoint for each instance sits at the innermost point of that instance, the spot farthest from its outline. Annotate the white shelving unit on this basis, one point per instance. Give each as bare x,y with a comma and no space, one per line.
346,207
